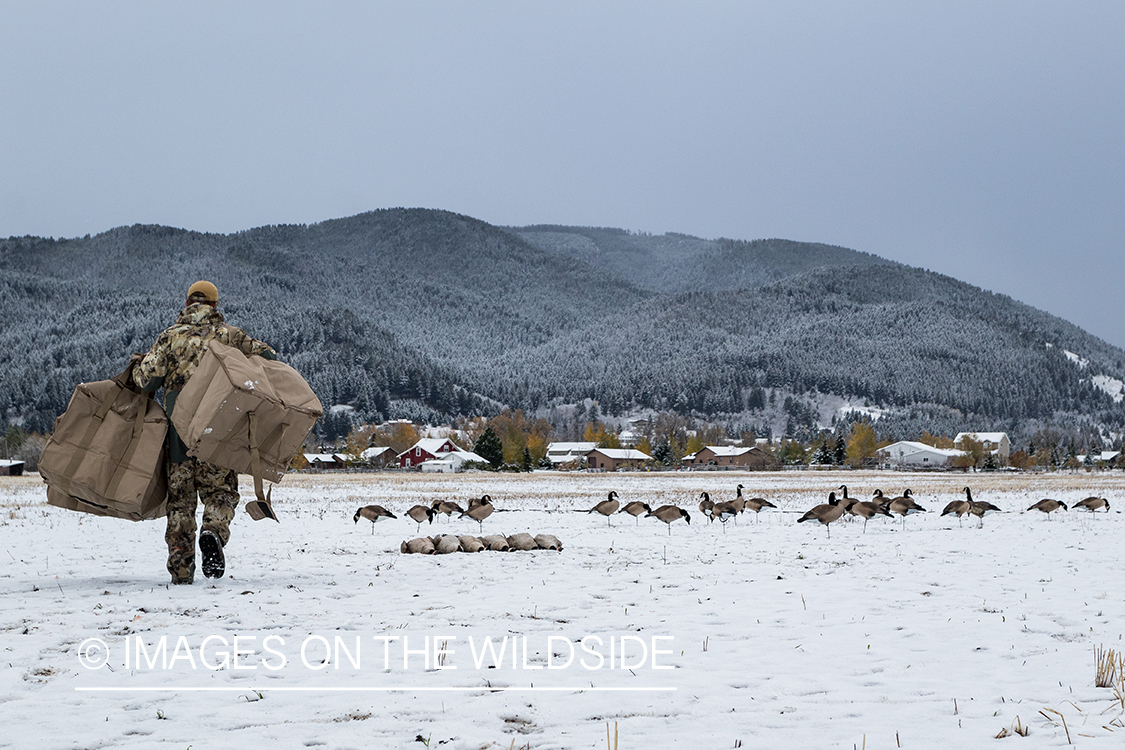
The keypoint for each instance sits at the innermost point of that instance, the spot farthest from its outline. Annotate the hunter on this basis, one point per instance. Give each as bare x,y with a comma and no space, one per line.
169,364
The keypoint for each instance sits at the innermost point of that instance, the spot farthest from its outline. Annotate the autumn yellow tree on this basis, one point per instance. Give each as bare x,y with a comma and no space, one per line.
861,445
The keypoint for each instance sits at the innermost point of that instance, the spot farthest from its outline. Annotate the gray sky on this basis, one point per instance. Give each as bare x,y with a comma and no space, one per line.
979,139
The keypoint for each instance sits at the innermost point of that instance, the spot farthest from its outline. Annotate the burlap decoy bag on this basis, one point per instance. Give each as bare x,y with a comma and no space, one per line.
248,414
106,454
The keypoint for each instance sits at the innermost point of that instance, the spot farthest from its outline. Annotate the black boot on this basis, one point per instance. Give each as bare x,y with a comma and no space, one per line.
214,564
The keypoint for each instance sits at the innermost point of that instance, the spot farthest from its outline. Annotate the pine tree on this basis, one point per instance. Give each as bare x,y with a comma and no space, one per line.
489,447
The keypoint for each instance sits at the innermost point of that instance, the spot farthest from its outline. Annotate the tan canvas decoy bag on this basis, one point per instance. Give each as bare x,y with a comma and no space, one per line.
106,453
248,414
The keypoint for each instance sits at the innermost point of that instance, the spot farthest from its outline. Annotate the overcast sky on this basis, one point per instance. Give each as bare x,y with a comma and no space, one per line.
979,139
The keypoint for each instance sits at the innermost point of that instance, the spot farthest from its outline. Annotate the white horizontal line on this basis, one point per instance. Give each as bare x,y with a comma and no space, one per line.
390,689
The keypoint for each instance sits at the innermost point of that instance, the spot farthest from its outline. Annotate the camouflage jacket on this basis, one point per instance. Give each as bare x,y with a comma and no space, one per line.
176,354
178,350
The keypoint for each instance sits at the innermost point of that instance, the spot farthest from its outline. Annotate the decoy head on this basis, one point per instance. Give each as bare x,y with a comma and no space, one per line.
356,519
686,517
877,493
832,498
704,496
612,494
1106,503
486,499
906,492
1063,505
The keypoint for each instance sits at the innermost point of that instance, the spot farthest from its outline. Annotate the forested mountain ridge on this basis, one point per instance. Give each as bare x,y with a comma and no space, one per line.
428,314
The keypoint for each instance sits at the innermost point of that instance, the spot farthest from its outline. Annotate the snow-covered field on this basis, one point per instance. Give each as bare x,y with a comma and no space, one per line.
767,634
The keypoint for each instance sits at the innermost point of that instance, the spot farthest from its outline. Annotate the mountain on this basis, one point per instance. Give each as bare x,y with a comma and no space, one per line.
428,314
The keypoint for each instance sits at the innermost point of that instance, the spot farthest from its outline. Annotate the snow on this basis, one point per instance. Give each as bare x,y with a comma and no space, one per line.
1114,387
1082,363
936,634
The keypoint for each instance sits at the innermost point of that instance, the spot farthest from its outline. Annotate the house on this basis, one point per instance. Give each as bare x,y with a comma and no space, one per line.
565,453
11,468
994,442
733,456
910,453
613,459
378,457
451,462
322,461
424,450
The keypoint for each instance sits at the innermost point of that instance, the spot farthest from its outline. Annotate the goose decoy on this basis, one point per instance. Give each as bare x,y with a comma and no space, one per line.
607,507
1093,503
374,514
1048,506
470,544
825,513
979,508
904,505
724,512
756,504
879,498
668,514
446,544
845,501
448,507
548,541
739,502
635,509
957,508
868,510
495,543
420,513
420,546
705,506
479,510
522,541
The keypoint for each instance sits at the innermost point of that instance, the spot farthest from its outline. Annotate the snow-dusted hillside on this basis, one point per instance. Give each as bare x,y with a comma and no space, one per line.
932,634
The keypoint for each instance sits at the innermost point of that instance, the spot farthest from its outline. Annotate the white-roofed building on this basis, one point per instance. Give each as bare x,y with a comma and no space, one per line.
909,453
451,462
612,459
325,461
565,453
730,456
424,450
11,468
378,456
993,442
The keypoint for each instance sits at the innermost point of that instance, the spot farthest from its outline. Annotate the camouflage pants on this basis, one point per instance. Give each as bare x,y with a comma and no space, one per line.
218,489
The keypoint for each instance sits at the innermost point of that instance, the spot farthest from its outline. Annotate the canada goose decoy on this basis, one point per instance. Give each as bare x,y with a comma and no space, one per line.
979,508
724,512
374,514
548,541
957,508
448,507
495,542
635,509
420,513
739,502
845,501
446,544
904,505
868,510
522,541
470,544
825,513
705,506
756,504
668,514
1093,503
420,546
879,498
607,507
479,510
1048,506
